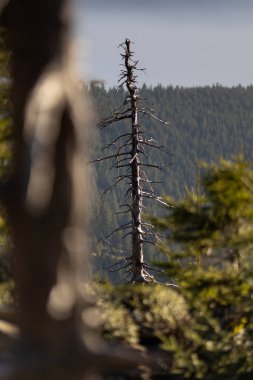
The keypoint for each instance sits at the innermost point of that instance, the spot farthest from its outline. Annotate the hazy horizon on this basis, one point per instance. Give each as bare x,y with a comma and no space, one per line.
181,43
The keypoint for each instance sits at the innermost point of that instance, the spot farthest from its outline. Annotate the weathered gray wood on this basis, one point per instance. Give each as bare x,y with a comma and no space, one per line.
137,258
128,157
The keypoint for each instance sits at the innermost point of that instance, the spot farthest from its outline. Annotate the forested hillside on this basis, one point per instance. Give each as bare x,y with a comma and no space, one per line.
207,123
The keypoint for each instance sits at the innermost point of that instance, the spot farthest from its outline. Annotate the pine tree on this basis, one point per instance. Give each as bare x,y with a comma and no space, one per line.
209,250
214,227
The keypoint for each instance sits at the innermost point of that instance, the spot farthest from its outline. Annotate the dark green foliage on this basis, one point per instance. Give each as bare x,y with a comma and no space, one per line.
208,123
149,313
143,317
217,226
204,328
210,239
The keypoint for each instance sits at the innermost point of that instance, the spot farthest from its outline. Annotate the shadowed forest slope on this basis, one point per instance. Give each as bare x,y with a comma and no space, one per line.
207,123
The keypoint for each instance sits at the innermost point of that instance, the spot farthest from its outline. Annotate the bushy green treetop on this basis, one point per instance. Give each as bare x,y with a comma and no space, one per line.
215,226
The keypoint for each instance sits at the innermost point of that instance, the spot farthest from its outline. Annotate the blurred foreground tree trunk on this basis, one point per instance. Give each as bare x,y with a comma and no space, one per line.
46,193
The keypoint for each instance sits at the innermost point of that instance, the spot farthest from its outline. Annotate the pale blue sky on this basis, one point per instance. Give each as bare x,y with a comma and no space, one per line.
179,42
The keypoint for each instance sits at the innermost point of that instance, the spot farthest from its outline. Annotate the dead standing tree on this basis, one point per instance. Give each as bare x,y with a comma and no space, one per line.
46,198
131,159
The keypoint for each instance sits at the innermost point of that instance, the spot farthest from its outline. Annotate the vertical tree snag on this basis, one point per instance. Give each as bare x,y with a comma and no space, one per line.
137,238
132,159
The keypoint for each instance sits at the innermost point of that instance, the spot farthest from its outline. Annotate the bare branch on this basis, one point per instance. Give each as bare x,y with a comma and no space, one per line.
110,120
122,166
151,165
108,157
151,114
121,228
124,175
112,186
148,225
160,147
122,212
156,198
125,259
161,166
148,181
127,234
120,268
133,158
116,140
143,152
132,147
144,174
152,268
150,242
150,277
128,191
126,144
115,164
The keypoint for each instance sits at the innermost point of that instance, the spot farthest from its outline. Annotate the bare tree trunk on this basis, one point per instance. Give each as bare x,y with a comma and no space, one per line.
130,162
137,239
137,259
45,197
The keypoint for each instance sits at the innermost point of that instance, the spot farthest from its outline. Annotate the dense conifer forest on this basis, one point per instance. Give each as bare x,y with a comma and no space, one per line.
207,123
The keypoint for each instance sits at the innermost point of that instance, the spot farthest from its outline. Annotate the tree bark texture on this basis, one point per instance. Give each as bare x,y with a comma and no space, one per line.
131,157
47,194
137,238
